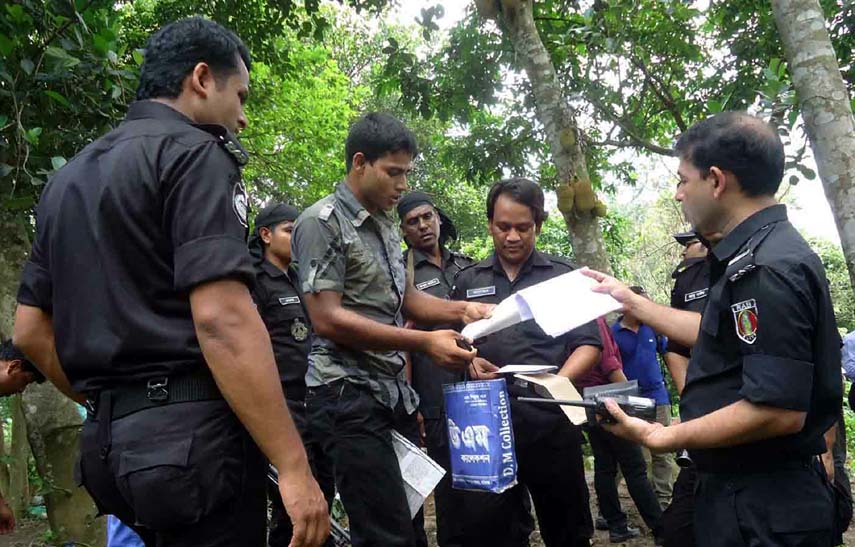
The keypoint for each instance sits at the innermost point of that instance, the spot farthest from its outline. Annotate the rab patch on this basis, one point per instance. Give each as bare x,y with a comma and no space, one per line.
745,319
239,203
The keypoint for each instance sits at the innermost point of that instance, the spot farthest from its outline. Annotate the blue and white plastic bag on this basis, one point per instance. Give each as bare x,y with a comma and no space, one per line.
481,436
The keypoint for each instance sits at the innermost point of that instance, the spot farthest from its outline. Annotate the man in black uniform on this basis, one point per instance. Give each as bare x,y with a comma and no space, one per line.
763,384
691,288
433,268
548,446
136,296
281,308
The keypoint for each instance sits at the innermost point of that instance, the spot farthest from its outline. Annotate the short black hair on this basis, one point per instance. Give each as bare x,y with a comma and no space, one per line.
10,352
740,143
173,52
522,191
377,134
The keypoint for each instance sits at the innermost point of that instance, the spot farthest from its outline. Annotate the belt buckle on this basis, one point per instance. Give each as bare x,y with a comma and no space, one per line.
157,392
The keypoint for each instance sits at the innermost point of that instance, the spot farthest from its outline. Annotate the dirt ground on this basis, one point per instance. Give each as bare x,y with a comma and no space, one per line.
31,533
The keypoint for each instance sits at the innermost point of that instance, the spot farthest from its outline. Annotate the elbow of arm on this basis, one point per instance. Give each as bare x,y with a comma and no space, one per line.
791,422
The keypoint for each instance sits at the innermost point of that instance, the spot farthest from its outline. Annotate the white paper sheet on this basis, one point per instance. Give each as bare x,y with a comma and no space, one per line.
506,314
420,473
558,305
563,303
527,369
553,386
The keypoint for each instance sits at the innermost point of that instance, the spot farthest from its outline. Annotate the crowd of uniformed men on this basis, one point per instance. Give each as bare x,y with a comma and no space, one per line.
141,300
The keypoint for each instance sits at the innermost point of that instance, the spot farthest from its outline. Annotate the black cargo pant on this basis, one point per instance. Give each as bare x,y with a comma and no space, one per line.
183,474
785,507
678,528
447,501
354,429
609,452
281,529
550,468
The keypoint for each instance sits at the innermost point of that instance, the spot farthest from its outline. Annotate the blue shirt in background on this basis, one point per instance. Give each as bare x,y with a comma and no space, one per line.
638,353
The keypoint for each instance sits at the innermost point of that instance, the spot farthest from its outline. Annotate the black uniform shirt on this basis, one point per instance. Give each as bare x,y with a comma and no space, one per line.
124,232
281,308
691,288
768,335
428,378
523,343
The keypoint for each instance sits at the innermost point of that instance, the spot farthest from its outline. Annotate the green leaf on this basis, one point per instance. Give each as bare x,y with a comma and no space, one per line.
58,98
138,56
19,203
7,46
27,66
62,57
3,120
32,135
57,162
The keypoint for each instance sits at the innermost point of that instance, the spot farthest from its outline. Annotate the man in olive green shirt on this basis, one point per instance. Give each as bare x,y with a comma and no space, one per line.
355,288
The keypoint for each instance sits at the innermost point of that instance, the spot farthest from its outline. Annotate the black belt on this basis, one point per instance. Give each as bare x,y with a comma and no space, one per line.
158,391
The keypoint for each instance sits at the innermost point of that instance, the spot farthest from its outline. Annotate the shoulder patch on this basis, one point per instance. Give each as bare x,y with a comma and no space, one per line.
240,204
745,320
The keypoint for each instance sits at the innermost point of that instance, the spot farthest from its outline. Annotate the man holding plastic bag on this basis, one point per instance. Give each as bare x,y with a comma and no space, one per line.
548,446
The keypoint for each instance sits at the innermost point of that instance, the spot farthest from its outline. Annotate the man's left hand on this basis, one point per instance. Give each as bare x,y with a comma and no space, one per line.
476,311
654,435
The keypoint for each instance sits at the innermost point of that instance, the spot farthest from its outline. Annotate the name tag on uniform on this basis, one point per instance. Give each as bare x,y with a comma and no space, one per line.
696,295
483,291
286,300
428,284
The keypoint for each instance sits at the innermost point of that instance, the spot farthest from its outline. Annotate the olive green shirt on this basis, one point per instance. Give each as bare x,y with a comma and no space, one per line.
341,247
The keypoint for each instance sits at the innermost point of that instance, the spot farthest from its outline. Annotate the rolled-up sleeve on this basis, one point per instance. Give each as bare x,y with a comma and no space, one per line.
773,317
320,254
205,214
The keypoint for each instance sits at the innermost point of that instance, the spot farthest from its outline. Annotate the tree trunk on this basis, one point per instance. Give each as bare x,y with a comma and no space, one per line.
825,108
559,123
54,426
18,493
44,417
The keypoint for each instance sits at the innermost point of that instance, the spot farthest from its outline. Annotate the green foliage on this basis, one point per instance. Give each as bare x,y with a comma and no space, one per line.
62,83
838,280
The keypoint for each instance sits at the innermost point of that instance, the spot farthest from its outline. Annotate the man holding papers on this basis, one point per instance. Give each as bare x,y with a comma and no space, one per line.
763,383
548,446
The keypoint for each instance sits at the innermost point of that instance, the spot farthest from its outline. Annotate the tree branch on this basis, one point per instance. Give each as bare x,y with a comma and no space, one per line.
660,91
634,140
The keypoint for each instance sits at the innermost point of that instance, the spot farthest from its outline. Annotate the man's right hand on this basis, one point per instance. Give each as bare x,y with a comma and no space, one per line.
442,348
482,369
306,507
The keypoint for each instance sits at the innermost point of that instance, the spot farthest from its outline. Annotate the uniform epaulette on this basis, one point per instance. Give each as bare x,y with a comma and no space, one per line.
228,141
561,260
464,268
326,211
